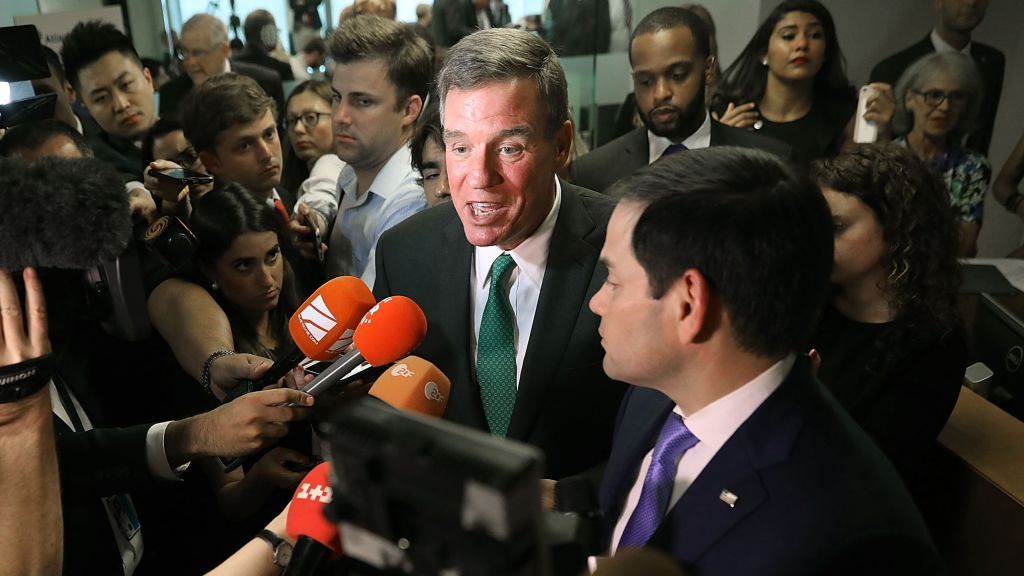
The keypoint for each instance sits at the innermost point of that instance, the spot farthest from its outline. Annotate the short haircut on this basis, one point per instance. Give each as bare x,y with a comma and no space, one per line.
214,26
35,135
407,56
220,103
160,128
958,66
88,42
53,62
755,228
503,55
428,128
253,27
671,17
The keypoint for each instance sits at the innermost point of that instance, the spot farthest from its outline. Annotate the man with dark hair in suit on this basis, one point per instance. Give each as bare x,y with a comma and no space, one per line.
503,272
261,39
205,53
956,19
672,62
728,454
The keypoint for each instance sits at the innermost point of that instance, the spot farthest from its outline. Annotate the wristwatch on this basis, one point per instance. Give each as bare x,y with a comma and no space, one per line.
281,547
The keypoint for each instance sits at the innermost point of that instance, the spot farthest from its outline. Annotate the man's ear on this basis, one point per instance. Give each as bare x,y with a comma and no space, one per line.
709,69
563,142
413,107
690,295
210,161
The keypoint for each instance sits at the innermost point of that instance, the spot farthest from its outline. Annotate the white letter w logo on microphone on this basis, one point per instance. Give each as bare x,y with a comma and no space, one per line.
317,319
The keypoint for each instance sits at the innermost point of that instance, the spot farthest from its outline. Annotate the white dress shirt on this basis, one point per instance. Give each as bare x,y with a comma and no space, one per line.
701,138
531,258
713,425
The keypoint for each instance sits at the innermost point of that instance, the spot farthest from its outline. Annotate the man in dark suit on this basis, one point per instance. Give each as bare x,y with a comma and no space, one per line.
671,60
503,272
453,20
952,33
204,53
260,39
728,454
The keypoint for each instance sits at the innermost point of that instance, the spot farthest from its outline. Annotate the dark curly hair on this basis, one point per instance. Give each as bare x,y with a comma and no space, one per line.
919,229
746,78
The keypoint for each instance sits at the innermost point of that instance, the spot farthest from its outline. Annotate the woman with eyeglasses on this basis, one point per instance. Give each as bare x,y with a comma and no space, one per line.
937,100
790,83
307,120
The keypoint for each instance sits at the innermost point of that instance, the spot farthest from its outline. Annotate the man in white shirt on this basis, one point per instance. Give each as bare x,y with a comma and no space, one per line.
504,271
728,454
382,73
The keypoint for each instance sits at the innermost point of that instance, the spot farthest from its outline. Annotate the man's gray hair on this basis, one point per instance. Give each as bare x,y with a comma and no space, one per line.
502,55
214,26
958,66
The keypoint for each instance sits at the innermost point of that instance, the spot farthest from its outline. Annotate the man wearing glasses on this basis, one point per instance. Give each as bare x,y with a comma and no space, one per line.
204,53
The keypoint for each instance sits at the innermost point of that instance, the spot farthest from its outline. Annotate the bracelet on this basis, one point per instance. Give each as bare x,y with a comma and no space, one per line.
1013,201
204,379
25,378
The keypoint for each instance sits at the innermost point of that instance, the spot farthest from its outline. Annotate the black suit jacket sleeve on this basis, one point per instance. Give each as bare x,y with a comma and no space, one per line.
102,461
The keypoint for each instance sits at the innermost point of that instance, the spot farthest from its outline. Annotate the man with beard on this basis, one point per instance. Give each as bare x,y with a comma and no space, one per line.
957,19
672,62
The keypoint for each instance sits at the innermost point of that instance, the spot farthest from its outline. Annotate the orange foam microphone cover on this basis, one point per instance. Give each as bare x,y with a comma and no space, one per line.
390,330
414,385
306,514
323,326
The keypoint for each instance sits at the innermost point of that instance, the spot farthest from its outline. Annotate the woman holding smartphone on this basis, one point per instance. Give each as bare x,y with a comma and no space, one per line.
790,83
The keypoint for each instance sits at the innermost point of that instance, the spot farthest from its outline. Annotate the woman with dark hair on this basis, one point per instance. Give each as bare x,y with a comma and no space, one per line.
790,83
427,151
239,252
892,348
307,120
937,100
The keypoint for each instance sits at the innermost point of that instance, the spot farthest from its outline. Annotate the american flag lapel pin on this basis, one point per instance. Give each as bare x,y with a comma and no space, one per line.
729,498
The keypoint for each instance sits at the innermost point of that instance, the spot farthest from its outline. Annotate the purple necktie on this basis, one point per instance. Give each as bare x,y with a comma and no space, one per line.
674,441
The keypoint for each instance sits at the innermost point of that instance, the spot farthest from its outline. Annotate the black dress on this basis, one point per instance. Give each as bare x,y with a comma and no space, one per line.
819,134
902,402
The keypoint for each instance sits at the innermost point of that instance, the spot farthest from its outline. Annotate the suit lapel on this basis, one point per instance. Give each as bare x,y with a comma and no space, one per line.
453,302
636,434
563,297
637,150
702,516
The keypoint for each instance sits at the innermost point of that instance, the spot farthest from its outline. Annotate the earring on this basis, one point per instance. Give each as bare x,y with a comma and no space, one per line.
214,286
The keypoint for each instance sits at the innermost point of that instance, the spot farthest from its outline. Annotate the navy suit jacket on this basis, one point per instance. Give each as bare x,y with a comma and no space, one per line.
566,404
814,495
604,166
991,64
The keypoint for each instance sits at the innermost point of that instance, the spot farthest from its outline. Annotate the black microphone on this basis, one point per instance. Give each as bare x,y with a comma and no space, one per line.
63,213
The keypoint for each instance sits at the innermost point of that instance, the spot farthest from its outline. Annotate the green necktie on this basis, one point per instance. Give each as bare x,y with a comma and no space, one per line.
496,350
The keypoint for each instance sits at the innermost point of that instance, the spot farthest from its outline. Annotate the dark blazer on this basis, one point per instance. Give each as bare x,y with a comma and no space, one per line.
579,28
815,496
173,93
453,20
991,64
604,166
120,153
566,405
251,55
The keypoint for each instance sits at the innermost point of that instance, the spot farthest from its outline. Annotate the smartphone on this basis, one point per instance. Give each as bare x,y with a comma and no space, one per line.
864,132
317,239
182,176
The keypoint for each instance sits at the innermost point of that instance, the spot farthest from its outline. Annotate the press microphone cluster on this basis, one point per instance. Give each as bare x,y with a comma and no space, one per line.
322,327
388,331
